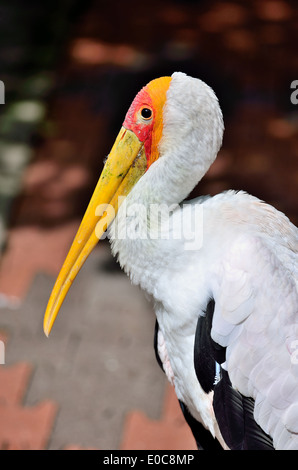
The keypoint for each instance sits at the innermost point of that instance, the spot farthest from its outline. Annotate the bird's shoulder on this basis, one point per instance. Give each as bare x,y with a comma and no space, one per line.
243,226
240,209
253,282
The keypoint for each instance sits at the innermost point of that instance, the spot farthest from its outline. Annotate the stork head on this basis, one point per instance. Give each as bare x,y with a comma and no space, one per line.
167,111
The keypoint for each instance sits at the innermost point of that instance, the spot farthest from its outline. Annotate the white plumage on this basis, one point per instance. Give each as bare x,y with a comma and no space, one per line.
247,263
221,271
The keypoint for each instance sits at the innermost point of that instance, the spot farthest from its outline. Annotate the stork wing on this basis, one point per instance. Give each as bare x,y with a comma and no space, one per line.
251,329
203,438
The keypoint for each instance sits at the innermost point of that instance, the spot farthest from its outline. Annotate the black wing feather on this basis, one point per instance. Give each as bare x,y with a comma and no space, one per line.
233,411
255,437
155,345
228,409
206,351
203,438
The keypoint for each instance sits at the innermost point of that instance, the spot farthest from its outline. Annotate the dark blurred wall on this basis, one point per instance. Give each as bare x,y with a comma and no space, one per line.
33,36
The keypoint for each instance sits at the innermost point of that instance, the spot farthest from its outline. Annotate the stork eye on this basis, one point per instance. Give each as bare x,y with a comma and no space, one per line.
146,113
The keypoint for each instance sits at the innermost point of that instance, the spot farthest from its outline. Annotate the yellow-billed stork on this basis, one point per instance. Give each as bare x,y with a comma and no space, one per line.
222,271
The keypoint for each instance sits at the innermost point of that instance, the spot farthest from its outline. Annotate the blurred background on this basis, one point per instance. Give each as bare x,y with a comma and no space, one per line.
71,69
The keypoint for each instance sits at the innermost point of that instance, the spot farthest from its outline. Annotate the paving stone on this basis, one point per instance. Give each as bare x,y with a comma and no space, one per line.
170,432
14,382
98,363
25,428
30,250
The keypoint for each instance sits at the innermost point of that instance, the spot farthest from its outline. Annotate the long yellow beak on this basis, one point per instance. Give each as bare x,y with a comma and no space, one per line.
125,165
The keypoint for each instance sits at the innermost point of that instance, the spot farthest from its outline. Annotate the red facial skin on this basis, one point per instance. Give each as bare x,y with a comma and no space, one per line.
141,127
149,128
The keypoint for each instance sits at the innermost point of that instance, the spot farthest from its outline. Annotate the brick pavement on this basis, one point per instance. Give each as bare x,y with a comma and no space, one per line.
86,385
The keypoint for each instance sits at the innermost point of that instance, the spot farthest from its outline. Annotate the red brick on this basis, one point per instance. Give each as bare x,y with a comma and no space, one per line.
170,433
3,336
27,428
78,447
32,250
13,383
